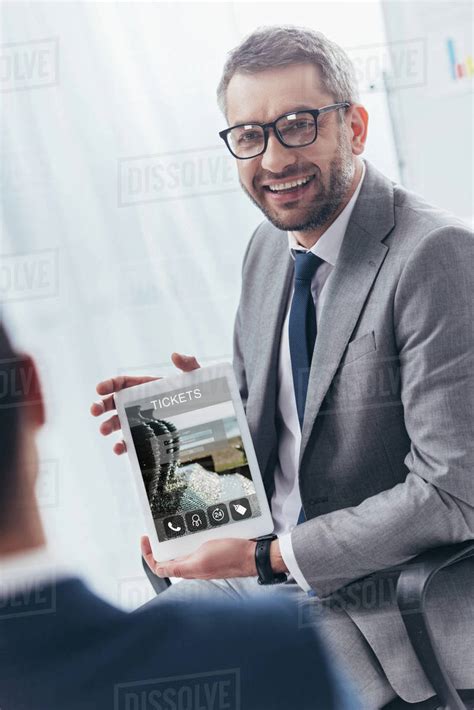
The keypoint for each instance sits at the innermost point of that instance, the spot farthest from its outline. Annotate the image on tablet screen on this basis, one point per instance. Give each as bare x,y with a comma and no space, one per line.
192,459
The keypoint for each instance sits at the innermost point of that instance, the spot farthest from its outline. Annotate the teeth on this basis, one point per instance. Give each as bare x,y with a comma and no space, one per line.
287,185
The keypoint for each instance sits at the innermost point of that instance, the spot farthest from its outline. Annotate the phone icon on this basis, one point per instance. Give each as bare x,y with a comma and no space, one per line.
174,526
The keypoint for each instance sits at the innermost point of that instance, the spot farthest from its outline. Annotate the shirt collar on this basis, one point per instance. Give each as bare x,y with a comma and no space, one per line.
328,245
26,569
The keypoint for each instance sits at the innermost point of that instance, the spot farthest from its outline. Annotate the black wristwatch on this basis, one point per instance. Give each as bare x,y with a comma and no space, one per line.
262,561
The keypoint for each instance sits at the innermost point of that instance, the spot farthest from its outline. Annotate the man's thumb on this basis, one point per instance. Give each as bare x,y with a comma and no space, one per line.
186,363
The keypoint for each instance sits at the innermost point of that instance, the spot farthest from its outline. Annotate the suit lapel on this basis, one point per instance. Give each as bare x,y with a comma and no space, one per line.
275,293
358,263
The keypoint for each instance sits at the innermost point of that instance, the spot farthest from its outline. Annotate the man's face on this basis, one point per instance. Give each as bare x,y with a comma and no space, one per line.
328,162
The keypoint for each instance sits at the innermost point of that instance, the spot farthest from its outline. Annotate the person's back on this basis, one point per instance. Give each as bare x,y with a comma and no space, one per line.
64,648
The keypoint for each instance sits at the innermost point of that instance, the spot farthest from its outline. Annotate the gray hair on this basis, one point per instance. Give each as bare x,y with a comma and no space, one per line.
279,46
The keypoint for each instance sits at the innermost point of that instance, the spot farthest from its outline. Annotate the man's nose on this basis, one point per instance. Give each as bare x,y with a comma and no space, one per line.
276,156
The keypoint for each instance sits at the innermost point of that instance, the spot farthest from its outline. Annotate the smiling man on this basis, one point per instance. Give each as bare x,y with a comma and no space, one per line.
307,194
354,352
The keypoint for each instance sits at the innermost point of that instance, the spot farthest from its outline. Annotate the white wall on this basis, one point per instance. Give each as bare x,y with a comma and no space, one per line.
434,112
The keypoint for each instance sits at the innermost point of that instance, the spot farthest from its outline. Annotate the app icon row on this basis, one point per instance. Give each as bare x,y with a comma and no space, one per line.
196,520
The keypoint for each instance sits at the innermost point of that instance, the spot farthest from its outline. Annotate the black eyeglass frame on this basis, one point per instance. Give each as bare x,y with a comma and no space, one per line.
315,112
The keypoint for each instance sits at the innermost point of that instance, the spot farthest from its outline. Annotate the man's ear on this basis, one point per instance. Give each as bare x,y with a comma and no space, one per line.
359,125
28,383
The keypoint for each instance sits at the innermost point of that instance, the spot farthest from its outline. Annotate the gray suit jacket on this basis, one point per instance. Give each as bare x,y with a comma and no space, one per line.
387,455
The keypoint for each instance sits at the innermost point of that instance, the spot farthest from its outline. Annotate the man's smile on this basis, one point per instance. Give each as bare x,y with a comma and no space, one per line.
289,189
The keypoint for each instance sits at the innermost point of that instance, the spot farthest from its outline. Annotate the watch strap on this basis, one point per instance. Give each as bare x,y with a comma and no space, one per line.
262,562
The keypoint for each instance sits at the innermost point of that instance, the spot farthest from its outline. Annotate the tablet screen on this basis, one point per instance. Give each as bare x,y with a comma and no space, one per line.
192,459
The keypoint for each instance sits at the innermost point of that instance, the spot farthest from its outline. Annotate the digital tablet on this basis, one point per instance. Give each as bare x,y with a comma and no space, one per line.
193,460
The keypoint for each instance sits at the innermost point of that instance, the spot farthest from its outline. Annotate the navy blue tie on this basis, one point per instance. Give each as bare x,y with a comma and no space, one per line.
302,326
302,330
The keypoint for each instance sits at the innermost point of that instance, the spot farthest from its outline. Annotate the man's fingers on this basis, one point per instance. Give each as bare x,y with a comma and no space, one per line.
148,554
115,384
186,566
181,567
145,545
186,363
187,569
120,448
110,425
105,405
106,388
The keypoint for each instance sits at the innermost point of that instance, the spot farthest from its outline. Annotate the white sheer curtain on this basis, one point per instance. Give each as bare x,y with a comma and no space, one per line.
123,225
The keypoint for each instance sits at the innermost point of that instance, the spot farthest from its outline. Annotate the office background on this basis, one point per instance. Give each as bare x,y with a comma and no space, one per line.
122,221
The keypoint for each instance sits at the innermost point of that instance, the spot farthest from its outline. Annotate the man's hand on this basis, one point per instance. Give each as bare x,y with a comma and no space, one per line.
107,388
215,559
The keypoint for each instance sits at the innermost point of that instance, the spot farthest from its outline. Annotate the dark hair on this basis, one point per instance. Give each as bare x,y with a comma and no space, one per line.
9,421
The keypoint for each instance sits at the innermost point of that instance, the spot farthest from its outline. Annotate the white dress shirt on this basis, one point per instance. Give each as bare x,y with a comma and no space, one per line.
286,500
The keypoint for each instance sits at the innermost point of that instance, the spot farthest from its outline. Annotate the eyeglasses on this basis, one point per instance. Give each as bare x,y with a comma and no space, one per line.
294,130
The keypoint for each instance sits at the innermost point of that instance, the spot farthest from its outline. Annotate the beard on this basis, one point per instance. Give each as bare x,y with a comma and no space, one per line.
329,197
